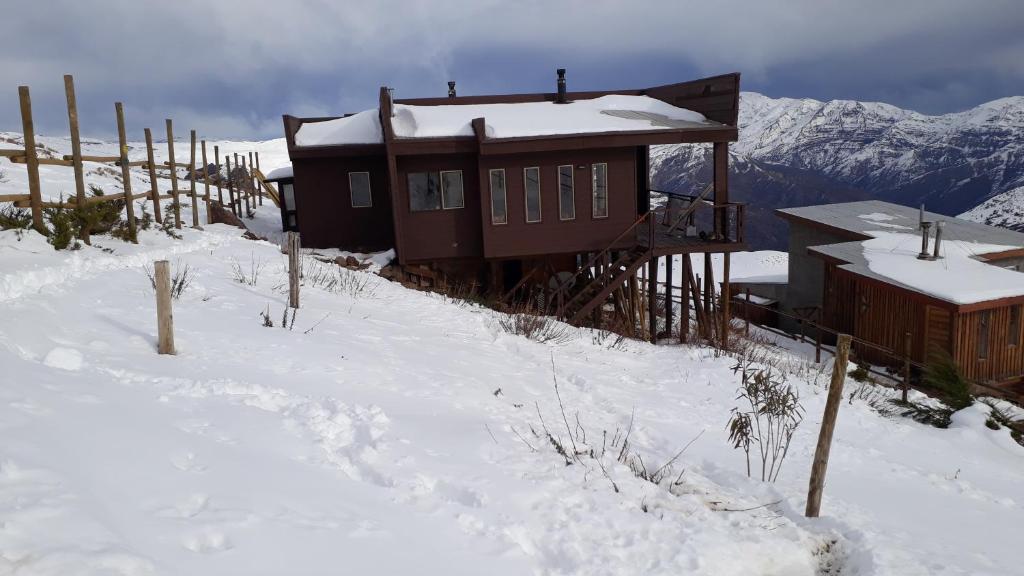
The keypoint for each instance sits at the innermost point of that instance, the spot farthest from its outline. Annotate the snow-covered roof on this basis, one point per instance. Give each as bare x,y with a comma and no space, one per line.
361,128
282,172
892,240
612,113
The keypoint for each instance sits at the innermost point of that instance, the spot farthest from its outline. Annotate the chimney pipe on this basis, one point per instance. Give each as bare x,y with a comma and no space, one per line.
451,89
925,227
938,239
561,86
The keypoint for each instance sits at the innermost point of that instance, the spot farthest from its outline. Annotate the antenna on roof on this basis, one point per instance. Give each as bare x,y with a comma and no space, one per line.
561,87
451,88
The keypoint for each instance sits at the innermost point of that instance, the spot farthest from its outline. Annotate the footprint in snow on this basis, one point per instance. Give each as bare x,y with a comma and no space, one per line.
64,359
187,463
207,542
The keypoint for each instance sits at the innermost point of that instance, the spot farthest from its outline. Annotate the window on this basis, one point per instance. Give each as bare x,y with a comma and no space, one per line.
566,194
288,191
499,207
424,191
1014,336
600,176
435,190
983,324
451,190
359,188
531,184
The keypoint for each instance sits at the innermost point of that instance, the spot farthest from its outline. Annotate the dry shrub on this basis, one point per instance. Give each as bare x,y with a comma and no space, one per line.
768,418
523,320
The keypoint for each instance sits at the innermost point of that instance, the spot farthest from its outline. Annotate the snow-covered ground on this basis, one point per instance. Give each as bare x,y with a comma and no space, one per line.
390,431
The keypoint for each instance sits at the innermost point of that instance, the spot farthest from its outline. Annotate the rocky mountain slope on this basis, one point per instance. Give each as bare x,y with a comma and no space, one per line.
803,151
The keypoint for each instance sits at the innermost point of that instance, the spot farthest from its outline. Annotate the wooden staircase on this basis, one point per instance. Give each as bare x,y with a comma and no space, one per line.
600,285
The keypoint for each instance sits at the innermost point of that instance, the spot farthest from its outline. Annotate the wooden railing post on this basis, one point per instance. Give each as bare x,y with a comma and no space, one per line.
174,174
231,186
192,181
216,161
154,189
294,268
828,425
76,148
164,316
906,366
126,171
258,188
746,312
246,190
31,160
206,186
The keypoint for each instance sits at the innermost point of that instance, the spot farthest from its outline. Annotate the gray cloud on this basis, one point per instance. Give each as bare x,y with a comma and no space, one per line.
233,67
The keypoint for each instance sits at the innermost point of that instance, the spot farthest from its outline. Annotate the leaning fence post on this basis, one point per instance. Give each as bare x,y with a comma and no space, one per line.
174,174
231,186
76,148
206,186
906,366
216,161
164,317
126,172
828,426
294,266
259,189
31,160
192,182
247,187
154,189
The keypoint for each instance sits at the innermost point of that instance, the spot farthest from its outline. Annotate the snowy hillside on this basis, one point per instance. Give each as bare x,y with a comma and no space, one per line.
794,152
1005,210
389,431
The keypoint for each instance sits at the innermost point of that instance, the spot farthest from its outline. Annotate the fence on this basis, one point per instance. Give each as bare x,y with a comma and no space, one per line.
248,181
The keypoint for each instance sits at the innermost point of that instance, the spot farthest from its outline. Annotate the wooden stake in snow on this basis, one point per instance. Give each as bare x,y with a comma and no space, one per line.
174,173
126,173
31,160
164,318
231,187
192,182
76,144
216,161
206,186
828,426
294,268
154,190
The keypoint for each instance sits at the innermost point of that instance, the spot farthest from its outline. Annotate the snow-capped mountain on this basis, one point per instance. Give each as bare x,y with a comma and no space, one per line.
1005,210
801,151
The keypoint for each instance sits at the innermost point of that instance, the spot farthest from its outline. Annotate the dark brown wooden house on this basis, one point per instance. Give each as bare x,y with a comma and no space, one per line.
869,272
519,193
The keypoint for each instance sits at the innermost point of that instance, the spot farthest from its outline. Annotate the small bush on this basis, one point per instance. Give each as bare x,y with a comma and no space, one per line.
944,375
180,281
63,227
860,373
769,418
525,321
12,218
248,277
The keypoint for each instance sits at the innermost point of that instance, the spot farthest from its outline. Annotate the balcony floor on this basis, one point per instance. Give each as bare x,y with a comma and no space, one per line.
679,243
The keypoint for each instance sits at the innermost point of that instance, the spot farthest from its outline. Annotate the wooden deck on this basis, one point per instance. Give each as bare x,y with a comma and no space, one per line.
679,243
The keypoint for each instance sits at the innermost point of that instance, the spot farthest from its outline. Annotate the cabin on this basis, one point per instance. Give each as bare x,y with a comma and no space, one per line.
545,194
902,280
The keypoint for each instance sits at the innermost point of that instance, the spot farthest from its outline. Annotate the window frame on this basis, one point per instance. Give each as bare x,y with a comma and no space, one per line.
369,186
504,194
440,179
572,189
526,197
593,192
408,191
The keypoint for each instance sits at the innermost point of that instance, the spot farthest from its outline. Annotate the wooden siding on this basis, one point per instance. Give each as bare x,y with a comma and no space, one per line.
324,205
439,234
1005,362
552,235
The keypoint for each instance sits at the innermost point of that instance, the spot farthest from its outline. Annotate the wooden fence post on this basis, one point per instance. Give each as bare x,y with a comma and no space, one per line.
126,172
164,316
174,174
216,161
247,189
906,366
76,149
746,312
206,186
231,187
294,268
828,426
154,189
259,189
31,160
192,182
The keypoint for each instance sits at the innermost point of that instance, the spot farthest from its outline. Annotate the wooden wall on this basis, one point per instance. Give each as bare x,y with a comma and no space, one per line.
1005,361
324,204
552,235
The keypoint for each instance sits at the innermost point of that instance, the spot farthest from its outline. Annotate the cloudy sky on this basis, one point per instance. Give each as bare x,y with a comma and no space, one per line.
232,67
